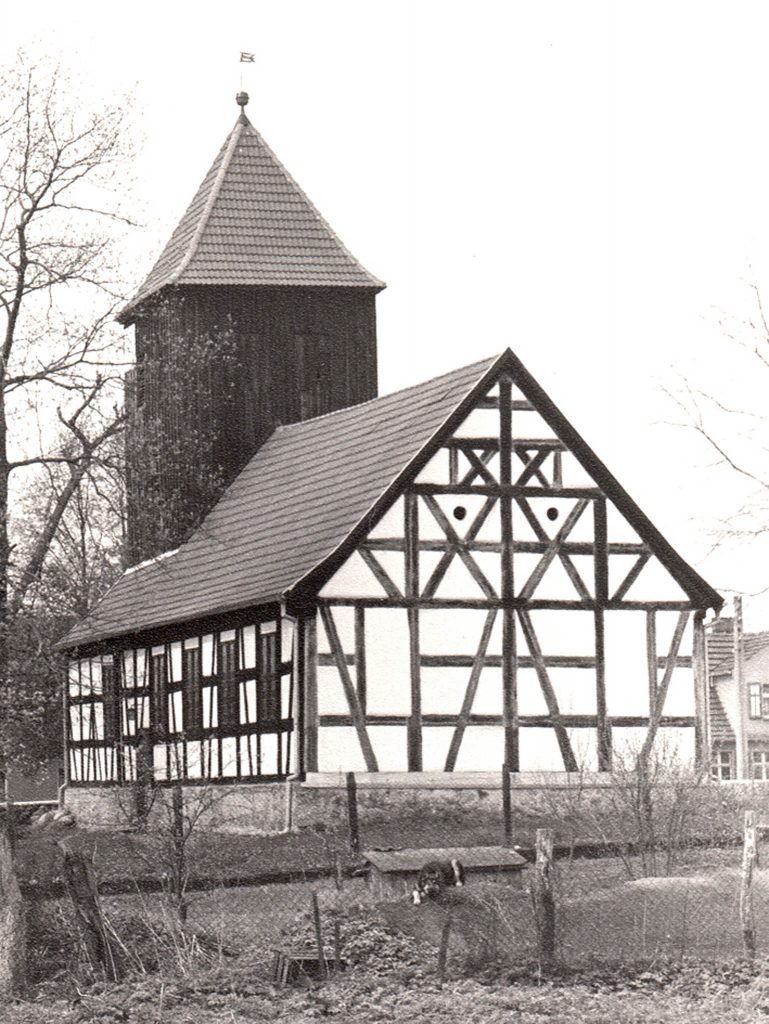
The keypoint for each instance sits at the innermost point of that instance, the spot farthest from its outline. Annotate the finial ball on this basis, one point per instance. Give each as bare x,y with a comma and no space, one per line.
241,99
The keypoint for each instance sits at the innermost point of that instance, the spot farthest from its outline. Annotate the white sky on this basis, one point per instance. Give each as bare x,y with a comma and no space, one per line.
584,182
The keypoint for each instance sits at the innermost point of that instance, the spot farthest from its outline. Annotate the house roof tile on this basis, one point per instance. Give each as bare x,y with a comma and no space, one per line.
298,506
251,224
721,647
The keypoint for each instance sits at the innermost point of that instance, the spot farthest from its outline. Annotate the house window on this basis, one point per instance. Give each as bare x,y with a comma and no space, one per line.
722,768
758,700
759,761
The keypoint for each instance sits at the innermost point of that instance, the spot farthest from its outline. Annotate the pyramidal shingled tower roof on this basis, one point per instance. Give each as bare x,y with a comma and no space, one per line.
251,224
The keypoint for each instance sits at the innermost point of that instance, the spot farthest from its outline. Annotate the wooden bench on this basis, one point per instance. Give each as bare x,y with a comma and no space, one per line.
394,872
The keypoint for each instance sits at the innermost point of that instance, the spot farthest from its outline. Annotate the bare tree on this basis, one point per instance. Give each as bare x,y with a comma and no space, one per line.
60,222
724,405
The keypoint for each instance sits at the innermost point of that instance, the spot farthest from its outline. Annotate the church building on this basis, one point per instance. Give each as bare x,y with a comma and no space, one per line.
439,580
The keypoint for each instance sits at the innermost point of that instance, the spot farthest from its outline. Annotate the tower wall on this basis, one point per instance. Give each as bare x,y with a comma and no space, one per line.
217,369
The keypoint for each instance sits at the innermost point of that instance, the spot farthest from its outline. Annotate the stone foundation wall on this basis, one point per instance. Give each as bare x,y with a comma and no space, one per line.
248,810
269,808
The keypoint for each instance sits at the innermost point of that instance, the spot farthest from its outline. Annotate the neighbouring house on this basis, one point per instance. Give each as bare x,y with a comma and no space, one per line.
439,580
724,701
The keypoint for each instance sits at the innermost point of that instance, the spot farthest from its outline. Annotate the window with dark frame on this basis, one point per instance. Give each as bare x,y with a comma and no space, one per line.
758,700
160,695
759,762
754,700
722,767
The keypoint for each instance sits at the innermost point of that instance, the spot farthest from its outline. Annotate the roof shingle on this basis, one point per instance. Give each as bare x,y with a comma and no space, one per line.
294,502
251,224
300,503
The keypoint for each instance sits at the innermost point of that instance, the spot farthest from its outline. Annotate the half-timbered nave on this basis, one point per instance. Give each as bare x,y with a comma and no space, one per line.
442,579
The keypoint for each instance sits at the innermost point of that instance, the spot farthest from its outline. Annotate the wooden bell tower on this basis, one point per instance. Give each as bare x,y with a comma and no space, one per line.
254,315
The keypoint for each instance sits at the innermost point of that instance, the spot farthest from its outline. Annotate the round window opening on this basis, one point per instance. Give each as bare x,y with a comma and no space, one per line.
460,512
552,514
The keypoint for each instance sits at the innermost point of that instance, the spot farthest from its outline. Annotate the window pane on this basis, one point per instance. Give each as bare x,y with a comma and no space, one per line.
755,700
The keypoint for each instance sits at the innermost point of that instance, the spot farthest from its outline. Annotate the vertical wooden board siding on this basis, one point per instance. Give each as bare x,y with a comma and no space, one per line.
387,661
435,746
331,696
436,470
443,690
353,579
627,684
339,750
482,750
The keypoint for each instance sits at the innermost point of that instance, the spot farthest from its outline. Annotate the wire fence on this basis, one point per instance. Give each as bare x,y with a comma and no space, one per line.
652,872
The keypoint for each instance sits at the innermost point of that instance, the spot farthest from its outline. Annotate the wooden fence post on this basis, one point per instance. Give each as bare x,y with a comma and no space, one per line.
507,810
80,883
318,937
544,899
749,859
352,812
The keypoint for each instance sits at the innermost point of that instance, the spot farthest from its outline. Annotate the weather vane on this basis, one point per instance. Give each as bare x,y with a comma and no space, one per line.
245,58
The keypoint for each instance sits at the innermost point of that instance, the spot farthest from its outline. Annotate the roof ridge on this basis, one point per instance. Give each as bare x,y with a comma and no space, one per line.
376,282
212,197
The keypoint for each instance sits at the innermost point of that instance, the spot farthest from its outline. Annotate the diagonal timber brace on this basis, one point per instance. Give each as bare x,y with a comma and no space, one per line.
561,734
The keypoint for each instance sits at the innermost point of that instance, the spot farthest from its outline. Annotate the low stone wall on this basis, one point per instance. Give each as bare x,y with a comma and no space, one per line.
269,808
248,810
